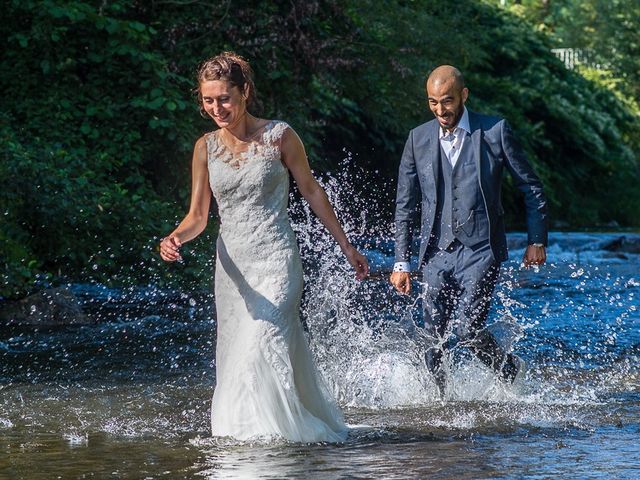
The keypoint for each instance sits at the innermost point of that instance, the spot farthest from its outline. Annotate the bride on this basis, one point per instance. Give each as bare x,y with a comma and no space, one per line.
266,382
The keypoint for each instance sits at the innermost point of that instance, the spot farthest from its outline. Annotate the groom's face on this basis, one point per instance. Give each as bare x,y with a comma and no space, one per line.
446,100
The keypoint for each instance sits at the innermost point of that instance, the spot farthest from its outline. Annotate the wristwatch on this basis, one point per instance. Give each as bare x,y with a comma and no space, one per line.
537,245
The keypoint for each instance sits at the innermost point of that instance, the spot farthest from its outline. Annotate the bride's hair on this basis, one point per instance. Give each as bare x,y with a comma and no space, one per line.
230,67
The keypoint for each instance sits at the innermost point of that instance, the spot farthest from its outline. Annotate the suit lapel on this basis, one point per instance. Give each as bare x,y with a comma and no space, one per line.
434,150
476,140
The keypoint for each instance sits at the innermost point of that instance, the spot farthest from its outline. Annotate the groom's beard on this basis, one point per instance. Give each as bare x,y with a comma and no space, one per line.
455,116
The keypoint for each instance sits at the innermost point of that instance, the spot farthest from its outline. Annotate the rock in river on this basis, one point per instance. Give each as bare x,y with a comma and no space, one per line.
48,308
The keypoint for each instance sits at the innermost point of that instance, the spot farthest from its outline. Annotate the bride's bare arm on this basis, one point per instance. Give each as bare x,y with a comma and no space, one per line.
295,158
196,220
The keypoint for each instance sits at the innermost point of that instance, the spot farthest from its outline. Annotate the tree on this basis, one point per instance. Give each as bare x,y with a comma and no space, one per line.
98,117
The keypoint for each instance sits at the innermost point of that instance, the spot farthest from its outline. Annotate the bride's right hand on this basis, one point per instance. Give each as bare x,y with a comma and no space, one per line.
170,249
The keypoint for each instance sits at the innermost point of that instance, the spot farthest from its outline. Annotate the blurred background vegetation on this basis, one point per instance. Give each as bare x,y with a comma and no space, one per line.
98,115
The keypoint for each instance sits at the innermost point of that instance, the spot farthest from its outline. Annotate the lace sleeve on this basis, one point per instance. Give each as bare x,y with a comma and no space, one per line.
213,146
275,133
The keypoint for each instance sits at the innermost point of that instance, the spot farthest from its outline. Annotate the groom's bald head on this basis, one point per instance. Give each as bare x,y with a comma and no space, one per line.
445,74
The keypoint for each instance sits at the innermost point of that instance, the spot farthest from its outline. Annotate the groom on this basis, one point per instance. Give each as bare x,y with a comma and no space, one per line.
452,168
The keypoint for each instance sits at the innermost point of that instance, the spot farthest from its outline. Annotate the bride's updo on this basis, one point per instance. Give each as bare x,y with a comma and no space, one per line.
230,67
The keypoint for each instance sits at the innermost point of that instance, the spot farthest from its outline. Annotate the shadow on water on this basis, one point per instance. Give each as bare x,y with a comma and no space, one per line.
128,395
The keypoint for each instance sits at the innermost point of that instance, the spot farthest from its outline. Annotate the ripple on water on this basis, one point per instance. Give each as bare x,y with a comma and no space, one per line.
131,394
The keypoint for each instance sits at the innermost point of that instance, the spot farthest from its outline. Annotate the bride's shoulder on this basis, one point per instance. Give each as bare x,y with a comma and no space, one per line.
277,129
279,124
206,145
201,143
209,137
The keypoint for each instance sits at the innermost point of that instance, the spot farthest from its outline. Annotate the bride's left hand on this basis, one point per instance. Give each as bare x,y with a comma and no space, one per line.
357,261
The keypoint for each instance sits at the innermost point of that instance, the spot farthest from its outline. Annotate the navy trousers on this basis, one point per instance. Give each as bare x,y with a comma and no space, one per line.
459,284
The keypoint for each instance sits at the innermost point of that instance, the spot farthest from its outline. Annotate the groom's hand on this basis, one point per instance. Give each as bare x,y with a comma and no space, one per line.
401,281
534,255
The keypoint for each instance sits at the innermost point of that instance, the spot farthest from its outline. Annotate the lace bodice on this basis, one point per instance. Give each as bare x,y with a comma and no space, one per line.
251,183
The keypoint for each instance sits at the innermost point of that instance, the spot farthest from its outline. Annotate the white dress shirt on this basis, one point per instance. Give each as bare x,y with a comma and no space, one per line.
451,142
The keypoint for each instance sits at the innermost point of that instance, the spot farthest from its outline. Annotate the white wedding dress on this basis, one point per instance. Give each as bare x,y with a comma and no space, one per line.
267,385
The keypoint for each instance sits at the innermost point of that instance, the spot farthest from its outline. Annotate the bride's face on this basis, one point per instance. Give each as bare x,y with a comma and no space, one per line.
222,102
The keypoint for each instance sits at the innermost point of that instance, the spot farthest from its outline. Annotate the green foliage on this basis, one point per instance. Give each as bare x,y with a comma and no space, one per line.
606,31
89,132
99,118
593,113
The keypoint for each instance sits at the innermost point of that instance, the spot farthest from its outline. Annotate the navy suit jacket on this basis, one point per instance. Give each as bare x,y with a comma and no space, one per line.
494,148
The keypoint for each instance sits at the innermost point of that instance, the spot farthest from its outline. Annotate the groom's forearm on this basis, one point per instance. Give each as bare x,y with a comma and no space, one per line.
406,202
403,240
406,211
526,180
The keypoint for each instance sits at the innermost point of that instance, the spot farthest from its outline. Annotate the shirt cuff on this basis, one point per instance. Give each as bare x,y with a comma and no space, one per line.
401,267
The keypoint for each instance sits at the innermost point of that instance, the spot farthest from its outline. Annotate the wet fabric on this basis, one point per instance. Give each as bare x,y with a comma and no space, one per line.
266,382
458,286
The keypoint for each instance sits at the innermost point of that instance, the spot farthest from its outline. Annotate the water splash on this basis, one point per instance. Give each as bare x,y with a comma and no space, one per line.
369,343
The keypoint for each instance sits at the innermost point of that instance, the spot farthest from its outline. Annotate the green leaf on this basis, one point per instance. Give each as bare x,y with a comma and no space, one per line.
22,40
156,104
95,57
140,27
112,26
57,12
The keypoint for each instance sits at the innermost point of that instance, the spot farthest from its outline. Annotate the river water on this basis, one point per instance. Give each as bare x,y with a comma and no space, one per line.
128,397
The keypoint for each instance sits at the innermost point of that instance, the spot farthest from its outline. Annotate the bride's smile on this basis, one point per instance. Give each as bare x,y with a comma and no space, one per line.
224,103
